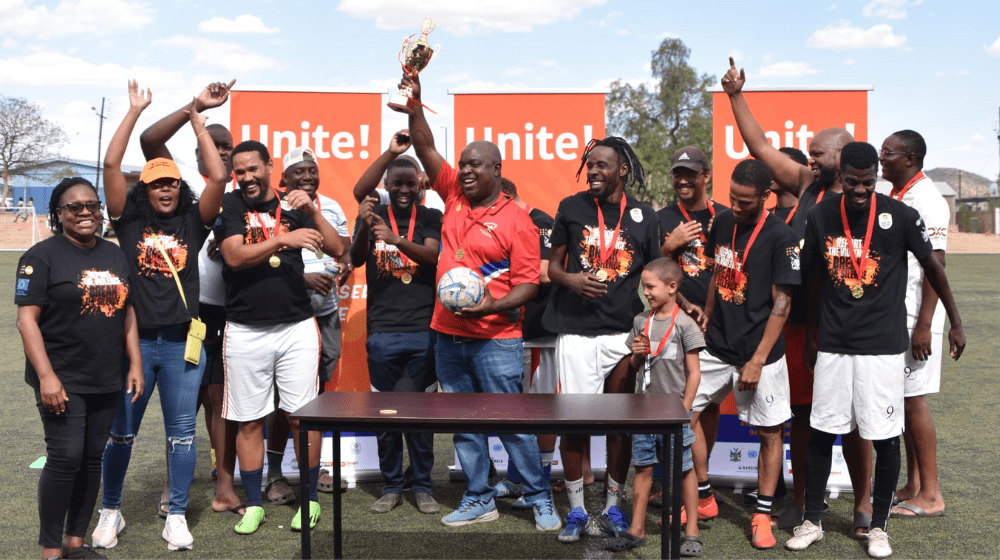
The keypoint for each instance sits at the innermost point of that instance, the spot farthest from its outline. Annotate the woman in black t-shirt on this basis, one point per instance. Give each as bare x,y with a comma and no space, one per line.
160,228
75,317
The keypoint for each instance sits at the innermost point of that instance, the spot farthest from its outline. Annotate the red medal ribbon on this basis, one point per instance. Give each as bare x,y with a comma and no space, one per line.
648,328
687,217
409,234
753,237
277,219
614,238
899,195
819,198
859,265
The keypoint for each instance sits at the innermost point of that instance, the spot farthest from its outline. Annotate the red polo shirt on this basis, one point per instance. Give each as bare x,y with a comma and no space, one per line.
500,242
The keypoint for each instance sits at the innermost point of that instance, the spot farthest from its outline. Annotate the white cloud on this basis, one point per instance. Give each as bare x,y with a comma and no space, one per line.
92,17
388,84
938,75
548,63
832,7
960,148
669,35
978,137
849,62
242,24
48,69
466,18
888,9
515,71
456,78
843,36
228,56
994,49
962,72
787,70
623,31
9,43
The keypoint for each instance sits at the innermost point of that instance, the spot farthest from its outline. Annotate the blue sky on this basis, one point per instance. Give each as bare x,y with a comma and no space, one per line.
934,66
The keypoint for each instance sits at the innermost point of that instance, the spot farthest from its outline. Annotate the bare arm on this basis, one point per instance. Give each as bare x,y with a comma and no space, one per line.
331,243
215,185
420,133
789,175
750,372
920,342
361,247
710,303
584,284
135,383
369,180
154,139
115,188
543,273
934,273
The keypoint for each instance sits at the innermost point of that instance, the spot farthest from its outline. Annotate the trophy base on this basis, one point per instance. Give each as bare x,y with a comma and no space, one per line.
400,104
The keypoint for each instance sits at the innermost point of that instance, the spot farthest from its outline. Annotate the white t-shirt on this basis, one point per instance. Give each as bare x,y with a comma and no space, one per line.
334,214
211,286
925,198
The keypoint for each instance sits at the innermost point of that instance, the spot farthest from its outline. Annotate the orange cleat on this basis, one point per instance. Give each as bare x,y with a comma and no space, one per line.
761,536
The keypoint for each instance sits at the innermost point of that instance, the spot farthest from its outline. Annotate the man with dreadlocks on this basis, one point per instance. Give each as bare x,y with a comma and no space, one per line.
601,239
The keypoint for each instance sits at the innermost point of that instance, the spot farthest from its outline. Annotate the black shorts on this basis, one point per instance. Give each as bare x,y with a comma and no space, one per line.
214,317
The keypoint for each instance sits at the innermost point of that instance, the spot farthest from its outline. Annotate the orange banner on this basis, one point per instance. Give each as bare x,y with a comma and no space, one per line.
541,137
789,118
344,129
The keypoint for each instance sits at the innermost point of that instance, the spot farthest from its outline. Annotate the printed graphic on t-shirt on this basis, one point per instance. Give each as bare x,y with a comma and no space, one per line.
151,260
617,264
729,277
840,265
389,263
254,230
545,235
693,260
103,292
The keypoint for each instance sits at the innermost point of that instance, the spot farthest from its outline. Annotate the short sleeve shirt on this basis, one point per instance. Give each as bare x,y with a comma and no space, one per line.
156,299
264,295
875,323
667,371
330,210
534,309
696,264
395,306
812,196
576,227
737,329
84,294
499,241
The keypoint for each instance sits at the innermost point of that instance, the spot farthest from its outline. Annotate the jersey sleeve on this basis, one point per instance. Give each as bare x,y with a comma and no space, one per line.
917,240
447,182
335,215
637,323
233,220
560,228
810,253
544,224
691,337
934,211
31,284
785,258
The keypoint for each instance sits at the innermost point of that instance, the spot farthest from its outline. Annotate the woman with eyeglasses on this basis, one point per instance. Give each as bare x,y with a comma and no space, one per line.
76,318
160,228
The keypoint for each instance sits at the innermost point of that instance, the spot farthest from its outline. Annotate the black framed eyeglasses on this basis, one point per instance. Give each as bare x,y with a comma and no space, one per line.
93,206
887,153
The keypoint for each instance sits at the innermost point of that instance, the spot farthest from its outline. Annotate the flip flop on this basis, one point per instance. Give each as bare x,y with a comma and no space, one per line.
690,546
163,509
233,510
623,542
862,520
917,512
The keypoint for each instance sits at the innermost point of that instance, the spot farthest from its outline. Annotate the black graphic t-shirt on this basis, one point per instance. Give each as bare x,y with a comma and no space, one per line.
696,263
264,295
395,306
83,294
810,197
875,323
534,309
782,213
156,299
638,243
736,330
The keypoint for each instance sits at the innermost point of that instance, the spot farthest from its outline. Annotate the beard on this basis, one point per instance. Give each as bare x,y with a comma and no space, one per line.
826,177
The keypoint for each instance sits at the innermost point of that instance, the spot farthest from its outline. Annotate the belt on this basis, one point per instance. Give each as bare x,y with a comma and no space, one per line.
455,339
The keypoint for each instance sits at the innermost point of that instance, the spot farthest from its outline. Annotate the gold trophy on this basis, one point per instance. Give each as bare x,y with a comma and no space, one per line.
414,56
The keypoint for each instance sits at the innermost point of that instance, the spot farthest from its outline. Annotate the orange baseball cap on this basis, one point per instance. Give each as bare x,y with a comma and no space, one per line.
159,168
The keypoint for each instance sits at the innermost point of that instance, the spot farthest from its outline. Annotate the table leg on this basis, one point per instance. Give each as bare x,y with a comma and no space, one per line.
304,490
678,494
338,550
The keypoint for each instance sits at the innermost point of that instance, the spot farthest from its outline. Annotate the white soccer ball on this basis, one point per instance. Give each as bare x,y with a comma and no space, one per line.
460,288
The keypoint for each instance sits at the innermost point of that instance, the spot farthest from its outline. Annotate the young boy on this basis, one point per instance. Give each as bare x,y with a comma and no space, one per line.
668,365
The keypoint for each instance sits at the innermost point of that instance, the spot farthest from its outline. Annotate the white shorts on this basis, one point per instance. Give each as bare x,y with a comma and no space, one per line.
584,362
540,368
864,392
768,406
259,358
924,378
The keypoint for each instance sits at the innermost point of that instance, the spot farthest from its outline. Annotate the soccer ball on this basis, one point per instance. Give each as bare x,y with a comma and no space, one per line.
460,288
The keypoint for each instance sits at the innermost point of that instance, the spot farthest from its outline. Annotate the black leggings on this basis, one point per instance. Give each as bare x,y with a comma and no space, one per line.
71,478
818,460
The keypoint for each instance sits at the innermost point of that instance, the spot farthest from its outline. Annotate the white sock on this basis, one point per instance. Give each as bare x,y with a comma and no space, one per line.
616,491
547,457
574,489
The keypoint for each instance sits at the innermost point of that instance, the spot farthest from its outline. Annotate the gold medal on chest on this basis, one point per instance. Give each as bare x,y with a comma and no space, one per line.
459,254
602,275
274,261
857,291
739,299
406,278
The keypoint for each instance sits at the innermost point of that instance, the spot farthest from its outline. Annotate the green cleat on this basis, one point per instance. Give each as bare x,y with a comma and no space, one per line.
313,517
252,520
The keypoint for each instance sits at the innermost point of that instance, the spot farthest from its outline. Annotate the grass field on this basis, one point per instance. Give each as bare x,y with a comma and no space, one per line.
969,447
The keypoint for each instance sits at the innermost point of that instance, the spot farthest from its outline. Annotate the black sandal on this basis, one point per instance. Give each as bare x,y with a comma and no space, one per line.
690,546
623,542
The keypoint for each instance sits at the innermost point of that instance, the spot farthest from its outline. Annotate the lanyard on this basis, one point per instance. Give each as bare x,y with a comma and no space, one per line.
899,196
687,218
819,198
277,219
753,237
604,254
666,336
862,261
409,234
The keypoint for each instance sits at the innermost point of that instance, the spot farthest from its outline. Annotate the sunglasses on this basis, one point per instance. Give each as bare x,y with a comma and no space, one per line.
93,206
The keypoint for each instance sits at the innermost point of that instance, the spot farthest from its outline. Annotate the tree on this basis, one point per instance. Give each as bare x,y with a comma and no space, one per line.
26,138
673,113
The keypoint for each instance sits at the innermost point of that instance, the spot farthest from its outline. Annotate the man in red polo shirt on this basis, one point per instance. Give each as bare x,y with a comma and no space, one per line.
480,349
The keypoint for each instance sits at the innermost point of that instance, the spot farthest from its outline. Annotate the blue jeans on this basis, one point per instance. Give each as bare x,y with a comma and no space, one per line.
390,356
489,366
179,381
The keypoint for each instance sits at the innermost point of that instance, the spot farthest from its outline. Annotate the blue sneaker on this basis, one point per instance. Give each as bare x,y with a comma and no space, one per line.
471,510
614,521
508,489
576,524
546,516
520,503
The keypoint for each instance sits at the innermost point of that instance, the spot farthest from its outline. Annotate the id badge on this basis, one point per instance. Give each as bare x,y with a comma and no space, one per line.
196,334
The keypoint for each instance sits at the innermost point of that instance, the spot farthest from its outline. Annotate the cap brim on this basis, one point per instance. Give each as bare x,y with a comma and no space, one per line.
692,165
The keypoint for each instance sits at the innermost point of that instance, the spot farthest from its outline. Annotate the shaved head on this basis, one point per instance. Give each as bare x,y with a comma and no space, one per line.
486,148
835,138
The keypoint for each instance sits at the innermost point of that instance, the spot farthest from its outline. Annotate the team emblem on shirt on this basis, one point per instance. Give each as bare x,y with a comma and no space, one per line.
636,215
488,229
885,220
27,270
729,279
388,262
618,264
545,234
794,257
840,267
150,258
103,292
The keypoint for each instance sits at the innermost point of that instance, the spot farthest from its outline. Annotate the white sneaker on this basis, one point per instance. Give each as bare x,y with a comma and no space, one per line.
805,535
176,533
878,543
110,525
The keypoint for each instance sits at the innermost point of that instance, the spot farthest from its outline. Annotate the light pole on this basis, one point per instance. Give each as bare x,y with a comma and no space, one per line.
100,131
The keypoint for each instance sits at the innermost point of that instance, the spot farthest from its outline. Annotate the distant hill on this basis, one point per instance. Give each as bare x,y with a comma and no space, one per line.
972,185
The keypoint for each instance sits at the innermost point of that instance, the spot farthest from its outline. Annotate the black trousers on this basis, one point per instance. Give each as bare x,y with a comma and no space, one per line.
71,478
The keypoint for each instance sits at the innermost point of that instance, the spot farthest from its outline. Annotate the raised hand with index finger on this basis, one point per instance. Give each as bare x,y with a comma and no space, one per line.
732,82
214,95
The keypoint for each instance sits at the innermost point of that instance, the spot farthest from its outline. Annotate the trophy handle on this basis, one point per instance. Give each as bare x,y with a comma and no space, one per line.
435,52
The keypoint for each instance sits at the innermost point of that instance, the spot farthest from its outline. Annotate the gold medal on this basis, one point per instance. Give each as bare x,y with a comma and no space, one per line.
406,278
602,275
857,291
274,261
738,298
319,253
459,254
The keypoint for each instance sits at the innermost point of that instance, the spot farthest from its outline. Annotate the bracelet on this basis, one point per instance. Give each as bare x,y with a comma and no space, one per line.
200,133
